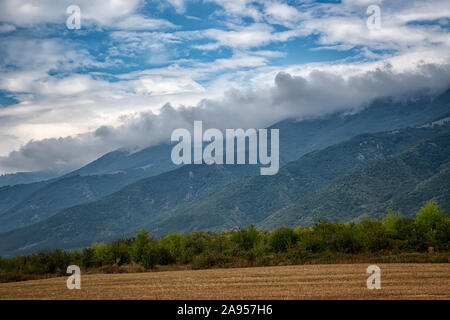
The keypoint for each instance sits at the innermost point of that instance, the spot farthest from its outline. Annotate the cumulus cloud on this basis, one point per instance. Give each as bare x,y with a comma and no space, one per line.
244,37
179,5
300,97
106,94
402,26
5,28
340,25
116,14
139,22
29,12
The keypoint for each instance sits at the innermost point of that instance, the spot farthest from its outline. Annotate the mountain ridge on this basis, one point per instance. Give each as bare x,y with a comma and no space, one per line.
296,139
370,192
140,204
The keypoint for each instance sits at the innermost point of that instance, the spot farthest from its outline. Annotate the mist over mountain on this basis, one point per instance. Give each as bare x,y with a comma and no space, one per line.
319,94
205,197
117,169
270,201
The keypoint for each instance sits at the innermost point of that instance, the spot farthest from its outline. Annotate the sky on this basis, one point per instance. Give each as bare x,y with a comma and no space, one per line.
135,70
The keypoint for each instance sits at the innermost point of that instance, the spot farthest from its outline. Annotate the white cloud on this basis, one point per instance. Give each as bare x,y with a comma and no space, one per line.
139,22
282,13
116,14
30,12
239,8
316,93
154,45
243,37
5,28
57,98
345,25
179,5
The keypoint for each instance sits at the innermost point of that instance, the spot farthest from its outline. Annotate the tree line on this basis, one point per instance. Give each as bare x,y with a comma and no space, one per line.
429,231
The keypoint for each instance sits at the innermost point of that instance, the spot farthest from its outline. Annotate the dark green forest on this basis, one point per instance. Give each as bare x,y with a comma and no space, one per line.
393,237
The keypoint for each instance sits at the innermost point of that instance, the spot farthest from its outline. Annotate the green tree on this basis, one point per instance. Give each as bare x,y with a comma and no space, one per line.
138,248
392,221
120,251
246,239
171,248
431,225
429,216
88,258
371,234
150,256
282,239
144,250
103,254
55,261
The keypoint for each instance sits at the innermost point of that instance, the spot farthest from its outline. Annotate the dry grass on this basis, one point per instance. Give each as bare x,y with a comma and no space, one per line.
343,281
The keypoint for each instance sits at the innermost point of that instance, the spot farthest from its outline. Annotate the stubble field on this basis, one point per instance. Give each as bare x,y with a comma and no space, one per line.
344,281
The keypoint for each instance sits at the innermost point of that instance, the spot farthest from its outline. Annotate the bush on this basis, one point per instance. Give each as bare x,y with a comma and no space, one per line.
150,256
55,261
145,251
429,232
373,236
194,244
88,258
210,260
139,246
282,239
171,248
245,239
103,254
432,226
120,252
343,240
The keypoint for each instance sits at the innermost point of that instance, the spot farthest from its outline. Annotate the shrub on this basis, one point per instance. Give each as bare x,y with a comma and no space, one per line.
245,239
103,254
282,239
343,239
120,252
429,232
372,235
88,258
171,248
150,256
139,246
210,260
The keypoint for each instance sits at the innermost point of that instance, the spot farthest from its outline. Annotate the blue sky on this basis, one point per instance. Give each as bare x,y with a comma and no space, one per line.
207,58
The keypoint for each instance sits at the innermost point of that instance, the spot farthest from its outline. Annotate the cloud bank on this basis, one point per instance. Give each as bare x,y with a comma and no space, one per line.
139,68
299,97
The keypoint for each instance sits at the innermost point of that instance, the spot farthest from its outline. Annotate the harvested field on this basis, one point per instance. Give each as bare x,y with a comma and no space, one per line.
338,281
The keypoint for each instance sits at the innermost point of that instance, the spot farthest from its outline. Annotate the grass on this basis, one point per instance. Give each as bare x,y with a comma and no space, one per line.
329,281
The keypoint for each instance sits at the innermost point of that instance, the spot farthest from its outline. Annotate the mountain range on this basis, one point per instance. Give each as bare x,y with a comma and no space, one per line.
119,168
213,197
403,182
320,185
124,191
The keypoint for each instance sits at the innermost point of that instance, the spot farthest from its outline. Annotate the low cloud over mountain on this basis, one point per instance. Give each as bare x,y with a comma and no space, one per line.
311,96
